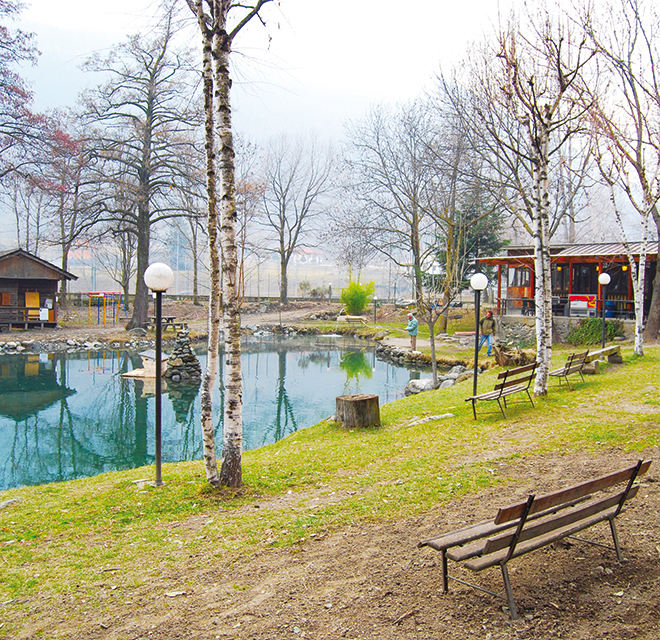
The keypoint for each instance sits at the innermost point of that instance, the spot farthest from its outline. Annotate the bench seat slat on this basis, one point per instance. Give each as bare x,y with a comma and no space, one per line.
522,548
493,395
553,499
465,535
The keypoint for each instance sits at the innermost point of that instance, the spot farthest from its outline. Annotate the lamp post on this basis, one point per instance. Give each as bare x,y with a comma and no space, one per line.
478,282
158,277
329,291
604,279
375,307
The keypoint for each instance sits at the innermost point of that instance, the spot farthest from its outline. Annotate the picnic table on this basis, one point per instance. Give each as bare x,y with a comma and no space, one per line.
167,321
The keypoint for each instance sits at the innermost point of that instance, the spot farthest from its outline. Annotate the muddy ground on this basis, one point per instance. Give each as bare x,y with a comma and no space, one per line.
373,582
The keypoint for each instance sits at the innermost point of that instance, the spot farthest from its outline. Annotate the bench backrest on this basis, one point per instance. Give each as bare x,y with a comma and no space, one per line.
575,362
572,494
516,376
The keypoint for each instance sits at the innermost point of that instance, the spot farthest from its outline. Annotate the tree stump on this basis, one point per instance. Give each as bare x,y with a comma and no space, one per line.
358,410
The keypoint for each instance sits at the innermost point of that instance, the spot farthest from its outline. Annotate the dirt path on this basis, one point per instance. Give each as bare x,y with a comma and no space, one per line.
372,582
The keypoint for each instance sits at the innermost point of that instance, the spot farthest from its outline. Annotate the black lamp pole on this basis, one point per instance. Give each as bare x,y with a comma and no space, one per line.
478,282
604,280
159,278
602,345
159,384
477,310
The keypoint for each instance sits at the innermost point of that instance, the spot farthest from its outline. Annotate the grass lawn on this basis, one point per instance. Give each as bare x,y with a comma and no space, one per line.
68,537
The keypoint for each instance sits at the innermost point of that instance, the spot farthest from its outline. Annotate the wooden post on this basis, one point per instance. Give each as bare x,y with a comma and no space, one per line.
359,410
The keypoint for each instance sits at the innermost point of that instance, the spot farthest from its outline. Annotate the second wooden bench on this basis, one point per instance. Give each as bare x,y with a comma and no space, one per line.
511,381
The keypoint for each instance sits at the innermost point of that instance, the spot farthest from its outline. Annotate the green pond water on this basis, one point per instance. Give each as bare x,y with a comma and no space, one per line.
66,416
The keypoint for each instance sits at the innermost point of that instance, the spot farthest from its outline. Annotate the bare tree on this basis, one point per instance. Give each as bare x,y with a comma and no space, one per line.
20,127
146,113
627,120
297,177
390,176
220,21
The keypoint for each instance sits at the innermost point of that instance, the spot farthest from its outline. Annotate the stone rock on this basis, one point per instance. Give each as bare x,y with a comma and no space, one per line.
417,386
447,383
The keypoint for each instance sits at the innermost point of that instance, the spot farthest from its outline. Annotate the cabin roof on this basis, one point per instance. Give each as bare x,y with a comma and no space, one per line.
19,264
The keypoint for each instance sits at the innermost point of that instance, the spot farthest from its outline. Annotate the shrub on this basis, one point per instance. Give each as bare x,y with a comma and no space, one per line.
590,331
355,297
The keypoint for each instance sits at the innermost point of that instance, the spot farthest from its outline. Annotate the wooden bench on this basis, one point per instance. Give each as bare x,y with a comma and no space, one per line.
351,319
521,528
574,364
612,353
508,382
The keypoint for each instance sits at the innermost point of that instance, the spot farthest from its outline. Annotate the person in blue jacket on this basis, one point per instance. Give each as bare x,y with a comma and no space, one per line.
412,329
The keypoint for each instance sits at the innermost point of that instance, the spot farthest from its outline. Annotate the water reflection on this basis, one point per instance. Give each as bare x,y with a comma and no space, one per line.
65,416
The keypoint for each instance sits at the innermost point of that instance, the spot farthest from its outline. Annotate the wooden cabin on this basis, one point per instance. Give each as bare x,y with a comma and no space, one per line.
28,290
575,287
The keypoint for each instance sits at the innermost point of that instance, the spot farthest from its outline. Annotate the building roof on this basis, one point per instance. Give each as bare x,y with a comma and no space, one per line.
8,267
590,252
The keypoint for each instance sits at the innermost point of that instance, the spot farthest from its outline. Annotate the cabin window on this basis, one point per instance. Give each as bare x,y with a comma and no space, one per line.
5,299
585,278
560,279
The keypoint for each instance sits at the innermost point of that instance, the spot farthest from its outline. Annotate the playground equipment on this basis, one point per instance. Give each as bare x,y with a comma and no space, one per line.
105,300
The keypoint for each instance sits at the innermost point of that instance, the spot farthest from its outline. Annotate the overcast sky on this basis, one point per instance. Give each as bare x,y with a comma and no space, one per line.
325,63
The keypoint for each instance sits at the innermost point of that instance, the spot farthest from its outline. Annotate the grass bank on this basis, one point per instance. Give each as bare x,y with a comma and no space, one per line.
117,529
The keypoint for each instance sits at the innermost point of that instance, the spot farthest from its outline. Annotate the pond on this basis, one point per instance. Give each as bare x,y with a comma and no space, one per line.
66,416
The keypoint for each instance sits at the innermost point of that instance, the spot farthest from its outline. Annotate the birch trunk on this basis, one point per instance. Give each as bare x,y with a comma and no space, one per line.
539,141
637,272
230,473
213,344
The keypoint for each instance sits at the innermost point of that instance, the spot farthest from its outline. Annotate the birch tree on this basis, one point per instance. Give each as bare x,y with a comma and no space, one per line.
626,119
532,82
220,21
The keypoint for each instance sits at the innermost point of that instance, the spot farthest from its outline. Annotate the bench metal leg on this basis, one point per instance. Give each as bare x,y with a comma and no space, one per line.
615,538
501,407
513,612
530,398
445,579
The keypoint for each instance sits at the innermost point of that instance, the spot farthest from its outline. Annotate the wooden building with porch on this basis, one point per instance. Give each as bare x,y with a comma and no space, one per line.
575,287
28,290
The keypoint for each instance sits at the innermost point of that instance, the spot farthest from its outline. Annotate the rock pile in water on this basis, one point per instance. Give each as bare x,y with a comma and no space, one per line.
183,365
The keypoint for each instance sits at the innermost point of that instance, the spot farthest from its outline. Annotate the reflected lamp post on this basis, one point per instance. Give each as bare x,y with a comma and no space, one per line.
478,282
159,278
604,279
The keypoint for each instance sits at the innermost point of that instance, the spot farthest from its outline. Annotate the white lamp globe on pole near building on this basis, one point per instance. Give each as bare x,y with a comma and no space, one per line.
604,280
478,282
159,278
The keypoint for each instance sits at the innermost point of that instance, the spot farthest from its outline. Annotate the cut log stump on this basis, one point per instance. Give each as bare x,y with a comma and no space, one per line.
358,410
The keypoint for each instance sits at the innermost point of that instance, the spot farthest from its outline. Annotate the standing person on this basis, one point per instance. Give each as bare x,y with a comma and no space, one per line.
412,329
487,327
